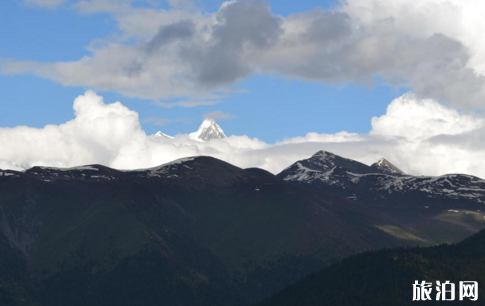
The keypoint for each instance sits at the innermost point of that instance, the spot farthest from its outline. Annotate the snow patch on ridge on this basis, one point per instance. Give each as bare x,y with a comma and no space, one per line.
165,169
80,168
160,134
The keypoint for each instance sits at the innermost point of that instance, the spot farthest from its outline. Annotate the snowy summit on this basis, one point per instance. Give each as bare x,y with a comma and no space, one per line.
163,135
208,130
384,166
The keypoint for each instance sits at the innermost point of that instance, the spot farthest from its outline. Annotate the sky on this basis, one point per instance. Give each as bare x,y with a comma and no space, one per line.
363,78
268,107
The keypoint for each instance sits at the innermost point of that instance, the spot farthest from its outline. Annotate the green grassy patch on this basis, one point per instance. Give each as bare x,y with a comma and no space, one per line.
399,233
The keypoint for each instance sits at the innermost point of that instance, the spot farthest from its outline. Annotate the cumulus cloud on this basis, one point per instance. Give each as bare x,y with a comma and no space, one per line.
420,136
415,118
433,47
340,47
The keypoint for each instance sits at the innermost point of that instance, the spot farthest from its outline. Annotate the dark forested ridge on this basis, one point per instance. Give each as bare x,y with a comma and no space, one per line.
385,277
194,232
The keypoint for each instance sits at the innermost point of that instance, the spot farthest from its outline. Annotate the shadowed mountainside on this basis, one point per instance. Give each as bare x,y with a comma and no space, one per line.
386,277
196,231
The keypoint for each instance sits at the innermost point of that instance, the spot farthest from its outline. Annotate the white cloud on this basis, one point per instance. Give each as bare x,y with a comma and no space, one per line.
5,164
434,47
442,141
415,118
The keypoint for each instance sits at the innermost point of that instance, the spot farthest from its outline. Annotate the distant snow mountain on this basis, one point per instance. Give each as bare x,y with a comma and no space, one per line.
163,135
208,130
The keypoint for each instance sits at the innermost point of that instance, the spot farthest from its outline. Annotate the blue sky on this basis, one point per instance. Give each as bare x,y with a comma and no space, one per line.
270,108
406,80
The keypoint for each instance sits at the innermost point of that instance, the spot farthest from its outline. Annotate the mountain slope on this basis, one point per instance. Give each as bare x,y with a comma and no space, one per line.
196,231
385,277
440,209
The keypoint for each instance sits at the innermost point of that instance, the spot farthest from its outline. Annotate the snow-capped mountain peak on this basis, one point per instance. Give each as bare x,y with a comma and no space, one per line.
325,161
385,166
323,155
381,181
208,130
163,135
322,164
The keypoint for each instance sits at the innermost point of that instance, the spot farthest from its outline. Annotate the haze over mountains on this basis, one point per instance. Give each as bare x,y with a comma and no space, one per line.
199,231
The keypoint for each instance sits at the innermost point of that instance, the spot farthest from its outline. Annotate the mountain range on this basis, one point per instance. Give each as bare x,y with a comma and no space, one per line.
200,231
424,205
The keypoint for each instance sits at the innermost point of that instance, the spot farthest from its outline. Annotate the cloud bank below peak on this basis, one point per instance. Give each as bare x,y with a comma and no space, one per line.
110,134
433,47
